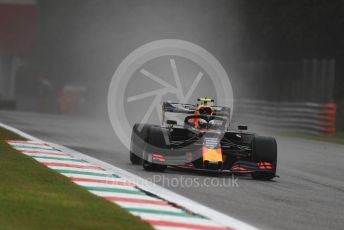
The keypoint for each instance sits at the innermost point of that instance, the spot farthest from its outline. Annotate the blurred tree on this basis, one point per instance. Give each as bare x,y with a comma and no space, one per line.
297,29
289,29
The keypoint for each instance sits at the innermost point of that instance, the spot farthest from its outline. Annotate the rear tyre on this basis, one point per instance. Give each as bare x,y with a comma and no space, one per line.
156,143
264,150
138,139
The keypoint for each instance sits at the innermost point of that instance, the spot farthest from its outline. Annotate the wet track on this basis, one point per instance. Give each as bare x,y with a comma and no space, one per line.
308,195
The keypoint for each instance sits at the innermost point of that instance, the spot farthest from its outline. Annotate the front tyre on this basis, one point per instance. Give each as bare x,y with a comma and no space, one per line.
134,159
149,166
264,149
138,139
156,143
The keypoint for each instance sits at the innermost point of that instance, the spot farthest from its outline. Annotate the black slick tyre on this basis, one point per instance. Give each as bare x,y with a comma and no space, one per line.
156,143
264,149
138,139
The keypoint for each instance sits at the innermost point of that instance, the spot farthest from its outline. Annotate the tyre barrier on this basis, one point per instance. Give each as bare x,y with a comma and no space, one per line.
330,110
301,117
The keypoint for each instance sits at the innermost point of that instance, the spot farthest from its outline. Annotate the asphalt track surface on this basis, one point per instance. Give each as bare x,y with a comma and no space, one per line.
308,195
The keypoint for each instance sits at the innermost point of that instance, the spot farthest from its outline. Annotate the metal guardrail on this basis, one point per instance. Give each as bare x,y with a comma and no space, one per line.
311,118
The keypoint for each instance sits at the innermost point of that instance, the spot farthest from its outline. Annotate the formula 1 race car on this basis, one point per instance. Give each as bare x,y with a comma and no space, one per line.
203,142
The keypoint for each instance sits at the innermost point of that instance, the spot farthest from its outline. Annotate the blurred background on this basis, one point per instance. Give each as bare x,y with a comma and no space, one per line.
285,58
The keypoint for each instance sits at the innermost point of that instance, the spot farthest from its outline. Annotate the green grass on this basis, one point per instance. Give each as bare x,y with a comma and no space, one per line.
35,197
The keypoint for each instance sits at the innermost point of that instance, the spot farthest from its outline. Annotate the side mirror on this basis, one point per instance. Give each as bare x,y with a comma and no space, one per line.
171,122
242,127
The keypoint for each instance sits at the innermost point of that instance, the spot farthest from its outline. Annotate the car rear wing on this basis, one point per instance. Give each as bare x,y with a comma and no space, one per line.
178,108
190,109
